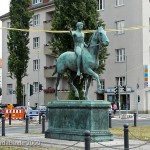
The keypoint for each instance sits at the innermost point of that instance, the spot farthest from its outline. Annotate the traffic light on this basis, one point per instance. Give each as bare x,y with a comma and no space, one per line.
124,88
116,91
138,98
31,89
40,87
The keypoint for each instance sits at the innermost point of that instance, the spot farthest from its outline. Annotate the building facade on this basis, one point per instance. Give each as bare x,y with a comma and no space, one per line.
128,63
42,60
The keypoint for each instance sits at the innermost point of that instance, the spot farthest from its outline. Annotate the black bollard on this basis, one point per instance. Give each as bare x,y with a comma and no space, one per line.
135,119
126,137
110,126
87,140
9,118
3,125
27,124
40,117
43,123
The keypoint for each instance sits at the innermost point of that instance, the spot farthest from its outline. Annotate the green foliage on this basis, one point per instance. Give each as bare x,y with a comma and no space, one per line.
18,41
79,83
67,14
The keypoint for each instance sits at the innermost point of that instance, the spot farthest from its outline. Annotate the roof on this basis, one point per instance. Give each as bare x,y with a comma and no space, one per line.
33,7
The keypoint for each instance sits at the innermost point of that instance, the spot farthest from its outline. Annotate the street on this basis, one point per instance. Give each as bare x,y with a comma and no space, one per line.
116,122
37,128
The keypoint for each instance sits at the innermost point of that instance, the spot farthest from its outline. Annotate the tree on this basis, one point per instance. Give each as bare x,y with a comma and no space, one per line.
67,14
17,43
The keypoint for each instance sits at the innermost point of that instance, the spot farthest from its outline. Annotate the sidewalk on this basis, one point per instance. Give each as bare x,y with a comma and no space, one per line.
35,141
130,116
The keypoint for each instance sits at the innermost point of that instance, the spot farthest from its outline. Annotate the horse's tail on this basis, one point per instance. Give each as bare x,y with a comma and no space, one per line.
55,71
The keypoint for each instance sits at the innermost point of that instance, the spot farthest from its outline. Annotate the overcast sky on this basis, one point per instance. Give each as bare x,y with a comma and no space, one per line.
4,8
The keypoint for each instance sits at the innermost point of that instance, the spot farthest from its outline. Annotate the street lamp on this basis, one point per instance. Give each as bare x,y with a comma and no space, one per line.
38,80
126,89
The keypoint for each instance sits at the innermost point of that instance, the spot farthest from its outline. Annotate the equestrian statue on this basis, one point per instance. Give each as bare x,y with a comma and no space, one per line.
85,58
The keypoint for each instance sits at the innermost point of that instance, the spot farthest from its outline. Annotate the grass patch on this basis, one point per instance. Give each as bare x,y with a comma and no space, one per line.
139,132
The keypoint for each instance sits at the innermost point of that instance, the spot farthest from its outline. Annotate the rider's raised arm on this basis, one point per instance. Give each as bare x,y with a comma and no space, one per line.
72,33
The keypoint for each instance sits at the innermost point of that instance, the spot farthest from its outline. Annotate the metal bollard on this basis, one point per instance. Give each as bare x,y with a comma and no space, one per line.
27,124
3,125
43,123
87,139
40,117
9,118
110,126
135,119
126,137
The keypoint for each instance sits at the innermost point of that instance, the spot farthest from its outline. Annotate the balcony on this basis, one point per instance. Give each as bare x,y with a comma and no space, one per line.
47,25
62,95
48,50
48,71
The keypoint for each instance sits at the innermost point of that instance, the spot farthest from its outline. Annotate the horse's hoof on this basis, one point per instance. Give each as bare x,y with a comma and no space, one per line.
86,98
57,99
98,92
77,95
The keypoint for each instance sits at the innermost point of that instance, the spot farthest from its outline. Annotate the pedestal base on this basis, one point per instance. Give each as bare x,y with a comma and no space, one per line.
68,120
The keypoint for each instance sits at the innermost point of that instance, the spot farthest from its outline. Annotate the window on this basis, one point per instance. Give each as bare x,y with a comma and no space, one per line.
36,42
120,27
36,20
120,53
102,84
36,1
9,88
119,2
120,81
36,64
101,4
35,87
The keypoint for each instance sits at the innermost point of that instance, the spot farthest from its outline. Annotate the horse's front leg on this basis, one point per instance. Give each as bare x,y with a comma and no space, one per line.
57,83
70,82
96,76
87,87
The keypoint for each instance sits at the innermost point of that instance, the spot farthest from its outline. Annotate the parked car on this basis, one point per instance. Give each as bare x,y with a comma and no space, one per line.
2,111
42,109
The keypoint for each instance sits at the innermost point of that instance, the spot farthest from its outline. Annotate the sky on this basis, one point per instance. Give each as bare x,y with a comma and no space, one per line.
4,8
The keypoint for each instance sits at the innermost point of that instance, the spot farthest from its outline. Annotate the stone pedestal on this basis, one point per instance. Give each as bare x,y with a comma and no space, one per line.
68,120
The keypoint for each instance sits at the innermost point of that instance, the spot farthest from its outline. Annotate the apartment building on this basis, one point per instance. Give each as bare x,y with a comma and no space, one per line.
129,60
0,77
127,65
41,63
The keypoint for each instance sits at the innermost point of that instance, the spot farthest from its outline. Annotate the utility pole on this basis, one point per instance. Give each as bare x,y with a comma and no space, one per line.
28,98
126,89
137,97
119,99
12,96
38,80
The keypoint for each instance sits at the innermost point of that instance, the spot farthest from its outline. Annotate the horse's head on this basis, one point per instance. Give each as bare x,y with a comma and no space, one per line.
102,37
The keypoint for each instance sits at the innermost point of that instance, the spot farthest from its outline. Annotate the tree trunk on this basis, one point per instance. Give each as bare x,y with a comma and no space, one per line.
19,91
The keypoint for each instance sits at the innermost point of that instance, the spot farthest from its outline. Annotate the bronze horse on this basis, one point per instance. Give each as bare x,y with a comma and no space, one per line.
90,62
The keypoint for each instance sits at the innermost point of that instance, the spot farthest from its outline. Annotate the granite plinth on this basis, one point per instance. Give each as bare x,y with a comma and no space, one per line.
68,120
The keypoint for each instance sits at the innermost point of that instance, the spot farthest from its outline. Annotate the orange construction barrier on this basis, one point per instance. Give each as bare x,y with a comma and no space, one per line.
16,113
9,106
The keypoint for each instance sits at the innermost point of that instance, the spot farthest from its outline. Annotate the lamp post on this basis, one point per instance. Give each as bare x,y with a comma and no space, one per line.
126,89
12,95
38,80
